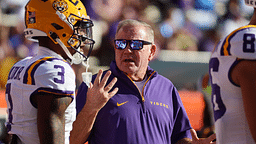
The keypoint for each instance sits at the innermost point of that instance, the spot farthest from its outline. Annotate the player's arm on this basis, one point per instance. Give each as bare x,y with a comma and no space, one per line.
97,96
244,74
51,117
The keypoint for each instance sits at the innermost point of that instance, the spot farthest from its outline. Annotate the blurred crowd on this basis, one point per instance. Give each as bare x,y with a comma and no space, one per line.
187,25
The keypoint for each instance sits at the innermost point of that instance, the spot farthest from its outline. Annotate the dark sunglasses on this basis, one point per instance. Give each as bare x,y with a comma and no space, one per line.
134,44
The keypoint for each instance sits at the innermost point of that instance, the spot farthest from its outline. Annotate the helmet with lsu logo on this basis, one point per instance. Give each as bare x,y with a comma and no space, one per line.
65,22
250,3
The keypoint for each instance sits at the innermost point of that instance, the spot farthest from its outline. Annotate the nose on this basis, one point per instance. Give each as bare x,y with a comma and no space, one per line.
128,49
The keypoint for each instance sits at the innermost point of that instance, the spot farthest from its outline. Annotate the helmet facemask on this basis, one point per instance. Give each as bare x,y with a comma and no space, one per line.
81,40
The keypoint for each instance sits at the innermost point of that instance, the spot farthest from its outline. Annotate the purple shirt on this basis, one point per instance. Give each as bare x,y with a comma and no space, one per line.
126,119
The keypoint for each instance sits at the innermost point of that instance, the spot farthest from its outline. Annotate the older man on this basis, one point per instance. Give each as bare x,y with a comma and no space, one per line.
132,103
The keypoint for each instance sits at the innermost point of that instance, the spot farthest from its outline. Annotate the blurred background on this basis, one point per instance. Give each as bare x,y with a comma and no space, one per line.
186,31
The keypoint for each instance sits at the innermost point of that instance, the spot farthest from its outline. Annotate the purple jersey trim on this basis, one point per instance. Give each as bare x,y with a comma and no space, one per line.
226,44
30,71
10,116
53,92
230,70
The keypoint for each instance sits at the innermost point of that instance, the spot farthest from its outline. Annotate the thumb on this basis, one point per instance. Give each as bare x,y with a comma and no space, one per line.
194,134
90,85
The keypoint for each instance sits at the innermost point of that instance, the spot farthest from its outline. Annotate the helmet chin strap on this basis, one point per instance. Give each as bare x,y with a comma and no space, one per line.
75,58
87,76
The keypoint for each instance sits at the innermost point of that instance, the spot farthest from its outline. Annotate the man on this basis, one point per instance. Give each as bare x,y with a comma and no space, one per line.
232,69
40,91
132,103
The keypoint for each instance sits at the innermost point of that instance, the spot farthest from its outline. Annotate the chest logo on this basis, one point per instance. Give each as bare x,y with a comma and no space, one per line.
159,104
119,104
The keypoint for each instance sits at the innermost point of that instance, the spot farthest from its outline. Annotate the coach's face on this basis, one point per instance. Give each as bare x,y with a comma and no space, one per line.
134,62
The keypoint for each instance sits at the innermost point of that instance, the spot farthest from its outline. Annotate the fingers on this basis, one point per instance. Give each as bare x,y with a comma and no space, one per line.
208,140
110,85
105,79
194,134
112,93
98,81
102,83
212,137
91,85
98,78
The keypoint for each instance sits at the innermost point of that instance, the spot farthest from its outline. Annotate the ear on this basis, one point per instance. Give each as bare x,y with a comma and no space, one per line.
152,52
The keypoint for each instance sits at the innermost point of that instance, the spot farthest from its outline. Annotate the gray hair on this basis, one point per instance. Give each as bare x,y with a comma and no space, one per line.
131,22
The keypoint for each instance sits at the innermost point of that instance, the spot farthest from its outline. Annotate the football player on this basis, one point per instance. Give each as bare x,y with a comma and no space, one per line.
232,70
40,91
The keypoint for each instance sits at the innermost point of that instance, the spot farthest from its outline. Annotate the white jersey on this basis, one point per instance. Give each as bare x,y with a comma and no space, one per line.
46,72
230,122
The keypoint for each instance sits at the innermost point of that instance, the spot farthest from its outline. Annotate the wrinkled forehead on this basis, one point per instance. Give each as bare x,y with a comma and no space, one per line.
132,32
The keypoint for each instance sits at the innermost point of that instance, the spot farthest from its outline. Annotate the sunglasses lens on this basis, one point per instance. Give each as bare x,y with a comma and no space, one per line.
120,44
136,45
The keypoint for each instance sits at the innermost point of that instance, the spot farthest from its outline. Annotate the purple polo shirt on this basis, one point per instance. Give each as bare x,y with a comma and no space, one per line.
126,119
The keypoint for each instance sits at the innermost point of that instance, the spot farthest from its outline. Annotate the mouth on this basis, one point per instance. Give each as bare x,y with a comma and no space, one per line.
128,60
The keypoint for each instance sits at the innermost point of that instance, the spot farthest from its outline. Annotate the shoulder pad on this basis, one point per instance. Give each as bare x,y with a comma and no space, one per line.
240,43
30,71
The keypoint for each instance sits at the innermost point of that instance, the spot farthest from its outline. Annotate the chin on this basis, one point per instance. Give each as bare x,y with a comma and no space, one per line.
128,69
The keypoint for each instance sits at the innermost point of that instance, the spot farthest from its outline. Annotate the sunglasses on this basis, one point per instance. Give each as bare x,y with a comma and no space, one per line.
134,44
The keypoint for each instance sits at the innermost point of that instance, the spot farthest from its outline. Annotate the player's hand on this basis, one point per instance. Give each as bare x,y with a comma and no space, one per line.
98,94
196,140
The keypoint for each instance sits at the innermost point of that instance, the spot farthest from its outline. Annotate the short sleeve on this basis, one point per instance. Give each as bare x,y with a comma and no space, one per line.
52,75
240,43
182,125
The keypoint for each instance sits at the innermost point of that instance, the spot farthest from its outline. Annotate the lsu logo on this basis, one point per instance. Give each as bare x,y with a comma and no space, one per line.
60,5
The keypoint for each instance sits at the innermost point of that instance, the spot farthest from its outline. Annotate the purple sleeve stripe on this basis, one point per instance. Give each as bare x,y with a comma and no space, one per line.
10,116
225,49
53,92
30,71
231,68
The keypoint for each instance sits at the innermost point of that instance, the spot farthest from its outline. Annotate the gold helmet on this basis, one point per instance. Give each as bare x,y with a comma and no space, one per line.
65,22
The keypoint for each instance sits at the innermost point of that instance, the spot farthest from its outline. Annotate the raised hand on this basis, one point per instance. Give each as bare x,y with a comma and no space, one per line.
98,94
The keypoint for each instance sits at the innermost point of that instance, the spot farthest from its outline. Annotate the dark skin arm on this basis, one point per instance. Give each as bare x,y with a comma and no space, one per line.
244,74
51,118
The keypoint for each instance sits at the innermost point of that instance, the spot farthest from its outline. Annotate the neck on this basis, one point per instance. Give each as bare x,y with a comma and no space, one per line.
253,19
48,43
136,77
